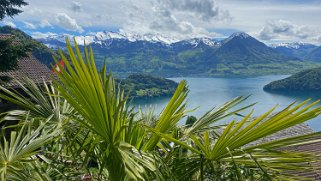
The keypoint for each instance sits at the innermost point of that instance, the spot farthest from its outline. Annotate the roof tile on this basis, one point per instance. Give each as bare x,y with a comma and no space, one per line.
27,67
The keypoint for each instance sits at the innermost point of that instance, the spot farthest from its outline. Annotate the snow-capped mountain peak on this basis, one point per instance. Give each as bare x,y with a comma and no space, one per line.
99,37
293,45
152,38
106,38
240,35
205,40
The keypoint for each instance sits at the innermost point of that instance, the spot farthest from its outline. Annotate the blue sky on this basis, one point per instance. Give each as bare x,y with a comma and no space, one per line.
267,20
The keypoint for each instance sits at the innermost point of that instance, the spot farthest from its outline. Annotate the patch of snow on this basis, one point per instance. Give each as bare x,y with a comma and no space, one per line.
240,35
293,45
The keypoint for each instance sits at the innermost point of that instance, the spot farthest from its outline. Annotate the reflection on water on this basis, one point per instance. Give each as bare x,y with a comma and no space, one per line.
206,93
155,102
299,95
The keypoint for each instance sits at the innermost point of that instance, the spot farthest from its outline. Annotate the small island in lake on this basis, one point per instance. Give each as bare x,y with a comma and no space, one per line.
308,80
142,85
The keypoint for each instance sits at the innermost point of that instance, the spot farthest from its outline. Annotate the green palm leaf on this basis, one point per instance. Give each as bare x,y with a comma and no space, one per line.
22,148
232,148
104,111
37,101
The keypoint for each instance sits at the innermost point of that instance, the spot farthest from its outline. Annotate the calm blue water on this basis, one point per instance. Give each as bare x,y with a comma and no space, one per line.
207,93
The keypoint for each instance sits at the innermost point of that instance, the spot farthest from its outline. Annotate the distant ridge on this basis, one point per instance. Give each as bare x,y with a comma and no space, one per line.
238,55
314,55
303,51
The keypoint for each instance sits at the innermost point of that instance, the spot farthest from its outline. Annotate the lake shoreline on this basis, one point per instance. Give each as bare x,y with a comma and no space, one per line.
207,93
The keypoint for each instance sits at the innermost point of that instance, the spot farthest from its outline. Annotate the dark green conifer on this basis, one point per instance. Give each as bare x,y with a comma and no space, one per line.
10,7
10,53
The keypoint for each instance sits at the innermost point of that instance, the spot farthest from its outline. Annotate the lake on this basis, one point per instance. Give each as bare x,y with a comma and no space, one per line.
206,93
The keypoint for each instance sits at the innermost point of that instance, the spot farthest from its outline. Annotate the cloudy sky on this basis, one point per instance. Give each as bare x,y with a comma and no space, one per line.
267,20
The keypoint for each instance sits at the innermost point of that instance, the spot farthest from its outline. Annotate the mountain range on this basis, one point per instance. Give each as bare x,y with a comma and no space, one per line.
238,55
304,51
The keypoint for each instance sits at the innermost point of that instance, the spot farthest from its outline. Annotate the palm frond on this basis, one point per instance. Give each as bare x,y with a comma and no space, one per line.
104,111
22,148
172,113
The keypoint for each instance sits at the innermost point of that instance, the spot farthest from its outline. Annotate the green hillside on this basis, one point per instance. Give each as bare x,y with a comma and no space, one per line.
308,80
140,85
39,50
236,57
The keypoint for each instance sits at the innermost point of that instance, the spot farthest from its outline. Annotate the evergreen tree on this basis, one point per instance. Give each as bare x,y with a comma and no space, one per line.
10,7
10,53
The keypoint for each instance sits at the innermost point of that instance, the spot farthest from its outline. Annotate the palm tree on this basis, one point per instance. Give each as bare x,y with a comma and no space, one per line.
101,135
22,149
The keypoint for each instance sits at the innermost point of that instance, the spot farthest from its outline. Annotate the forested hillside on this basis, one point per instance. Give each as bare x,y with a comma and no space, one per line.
39,50
140,85
308,80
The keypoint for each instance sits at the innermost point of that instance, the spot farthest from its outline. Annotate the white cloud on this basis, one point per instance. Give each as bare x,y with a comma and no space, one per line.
9,23
44,23
128,15
178,19
274,29
204,9
318,39
251,15
68,23
40,35
286,30
175,17
30,26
